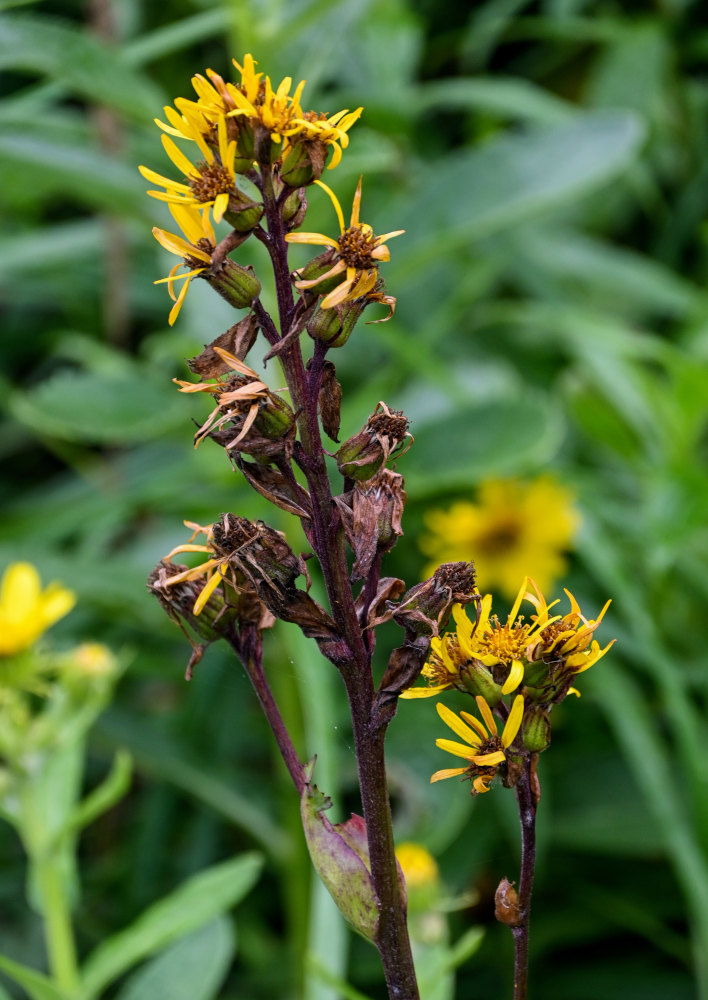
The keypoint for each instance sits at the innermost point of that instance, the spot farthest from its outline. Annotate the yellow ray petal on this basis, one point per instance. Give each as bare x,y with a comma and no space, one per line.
490,759
207,591
513,722
516,675
448,772
456,748
457,725
476,724
486,713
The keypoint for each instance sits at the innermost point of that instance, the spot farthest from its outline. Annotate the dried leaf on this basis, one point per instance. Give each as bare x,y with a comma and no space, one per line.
238,340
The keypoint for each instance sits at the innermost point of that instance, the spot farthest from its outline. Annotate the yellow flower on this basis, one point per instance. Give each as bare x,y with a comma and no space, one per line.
485,750
489,642
195,251
210,184
419,866
357,252
567,645
514,528
255,99
27,611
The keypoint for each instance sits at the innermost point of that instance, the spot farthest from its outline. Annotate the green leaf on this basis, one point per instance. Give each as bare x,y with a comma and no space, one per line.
107,407
35,984
497,437
105,796
73,168
479,192
193,904
87,67
192,969
500,95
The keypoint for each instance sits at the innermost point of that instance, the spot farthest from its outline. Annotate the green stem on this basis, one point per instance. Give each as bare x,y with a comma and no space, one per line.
58,929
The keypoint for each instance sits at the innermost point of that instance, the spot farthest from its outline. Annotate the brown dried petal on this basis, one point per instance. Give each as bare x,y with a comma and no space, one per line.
272,484
238,340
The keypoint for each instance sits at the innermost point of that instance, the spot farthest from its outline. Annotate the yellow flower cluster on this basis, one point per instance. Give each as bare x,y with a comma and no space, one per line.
506,654
229,123
491,659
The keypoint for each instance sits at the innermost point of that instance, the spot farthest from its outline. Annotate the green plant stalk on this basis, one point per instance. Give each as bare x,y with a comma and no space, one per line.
56,917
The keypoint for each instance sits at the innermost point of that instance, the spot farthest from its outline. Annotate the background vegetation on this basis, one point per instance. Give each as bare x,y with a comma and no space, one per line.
549,162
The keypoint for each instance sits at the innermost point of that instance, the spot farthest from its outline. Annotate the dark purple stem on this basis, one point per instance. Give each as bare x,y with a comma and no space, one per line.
252,659
327,539
527,815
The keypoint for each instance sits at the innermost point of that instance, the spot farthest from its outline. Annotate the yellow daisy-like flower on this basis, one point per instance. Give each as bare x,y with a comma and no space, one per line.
27,611
210,184
195,250
483,749
500,646
357,252
514,528
568,642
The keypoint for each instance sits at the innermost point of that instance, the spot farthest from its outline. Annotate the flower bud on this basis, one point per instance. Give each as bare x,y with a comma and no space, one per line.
536,728
318,266
385,435
304,163
294,209
478,680
238,285
334,326
506,904
243,214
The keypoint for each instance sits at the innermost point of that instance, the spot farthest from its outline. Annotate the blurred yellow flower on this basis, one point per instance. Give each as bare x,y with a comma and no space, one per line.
92,659
514,529
27,611
419,866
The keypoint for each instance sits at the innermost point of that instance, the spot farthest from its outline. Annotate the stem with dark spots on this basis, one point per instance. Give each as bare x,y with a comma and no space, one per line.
527,816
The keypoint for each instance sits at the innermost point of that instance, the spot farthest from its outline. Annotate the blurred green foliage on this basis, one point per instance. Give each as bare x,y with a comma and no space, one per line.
549,161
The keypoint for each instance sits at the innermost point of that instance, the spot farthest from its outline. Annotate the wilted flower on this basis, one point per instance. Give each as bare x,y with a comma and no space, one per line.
246,408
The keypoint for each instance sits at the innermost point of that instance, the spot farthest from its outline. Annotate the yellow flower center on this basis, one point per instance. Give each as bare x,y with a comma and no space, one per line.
506,642
355,248
499,538
213,180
